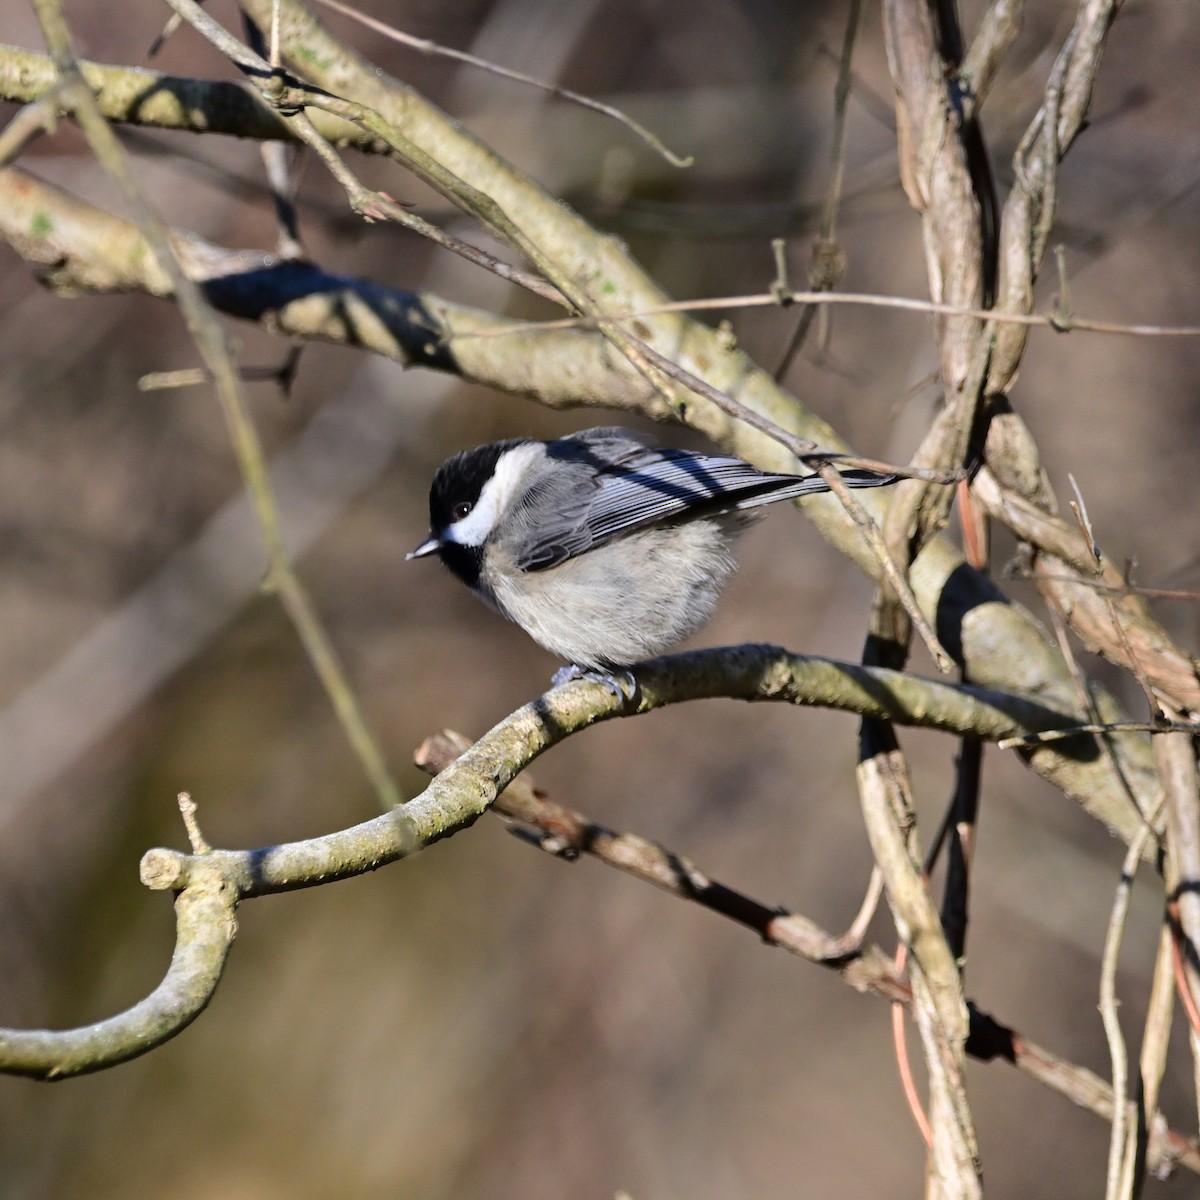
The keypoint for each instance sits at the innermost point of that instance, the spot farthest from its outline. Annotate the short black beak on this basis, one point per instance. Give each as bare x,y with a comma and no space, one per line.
429,546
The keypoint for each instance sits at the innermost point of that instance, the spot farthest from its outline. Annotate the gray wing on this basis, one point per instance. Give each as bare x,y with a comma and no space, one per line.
609,484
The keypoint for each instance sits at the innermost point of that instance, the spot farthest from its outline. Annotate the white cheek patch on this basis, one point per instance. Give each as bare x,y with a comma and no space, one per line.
508,481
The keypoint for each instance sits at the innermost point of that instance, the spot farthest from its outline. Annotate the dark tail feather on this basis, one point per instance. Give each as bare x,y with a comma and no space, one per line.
858,479
792,487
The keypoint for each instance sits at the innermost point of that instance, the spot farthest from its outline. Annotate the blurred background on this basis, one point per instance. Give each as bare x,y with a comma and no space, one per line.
484,1021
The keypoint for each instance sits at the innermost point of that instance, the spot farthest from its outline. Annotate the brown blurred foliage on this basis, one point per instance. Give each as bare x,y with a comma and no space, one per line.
483,1021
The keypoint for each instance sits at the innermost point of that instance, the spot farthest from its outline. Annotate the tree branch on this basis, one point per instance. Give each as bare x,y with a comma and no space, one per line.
151,99
204,930
216,880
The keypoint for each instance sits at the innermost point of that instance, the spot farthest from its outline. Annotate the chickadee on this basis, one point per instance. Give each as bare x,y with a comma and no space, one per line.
605,548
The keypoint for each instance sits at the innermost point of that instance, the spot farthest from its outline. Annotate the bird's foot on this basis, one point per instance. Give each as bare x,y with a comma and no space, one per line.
621,684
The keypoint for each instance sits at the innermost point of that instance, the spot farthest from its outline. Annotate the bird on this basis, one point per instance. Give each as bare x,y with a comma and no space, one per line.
604,546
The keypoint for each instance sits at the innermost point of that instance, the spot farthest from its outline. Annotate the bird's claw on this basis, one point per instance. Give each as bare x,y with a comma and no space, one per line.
622,684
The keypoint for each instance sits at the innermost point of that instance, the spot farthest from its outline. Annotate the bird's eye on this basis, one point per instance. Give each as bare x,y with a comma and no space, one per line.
461,509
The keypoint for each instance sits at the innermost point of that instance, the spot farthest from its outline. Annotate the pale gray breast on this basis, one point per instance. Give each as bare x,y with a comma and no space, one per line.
631,599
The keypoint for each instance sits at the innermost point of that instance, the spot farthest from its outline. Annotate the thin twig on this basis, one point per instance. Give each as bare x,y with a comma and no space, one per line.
276,156
170,28
870,300
29,123
1055,735
996,32
1079,508
425,46
828,262
857,929
161,381
908,1085
1156,1035
892,572
191,823
289,102
1124,589
1117,1052
567,833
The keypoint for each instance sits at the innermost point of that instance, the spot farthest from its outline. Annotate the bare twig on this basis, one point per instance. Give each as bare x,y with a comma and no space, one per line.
1079,508
35,118
276,156
1153,1064
1100,727
425,46
1132,659
567,834
1117,1052
938,1006
1031,320
191,823
828,262
1029,210
1176,754
912,1097
998,29
857,929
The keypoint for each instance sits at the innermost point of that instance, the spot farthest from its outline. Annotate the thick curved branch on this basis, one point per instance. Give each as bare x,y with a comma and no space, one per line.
204,930
211,883
77,247
459,796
